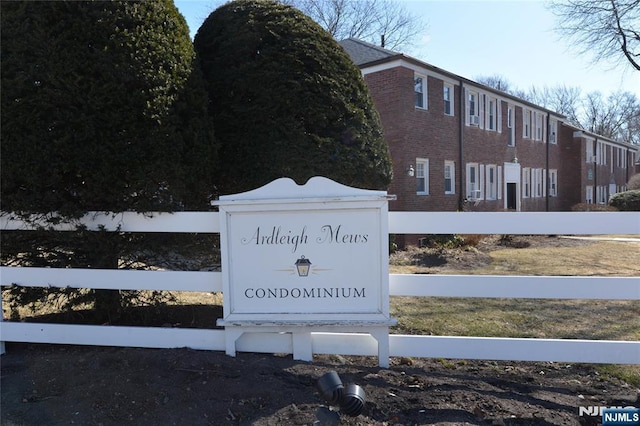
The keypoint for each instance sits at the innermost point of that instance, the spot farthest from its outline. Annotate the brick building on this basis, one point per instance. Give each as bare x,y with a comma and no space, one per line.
460,145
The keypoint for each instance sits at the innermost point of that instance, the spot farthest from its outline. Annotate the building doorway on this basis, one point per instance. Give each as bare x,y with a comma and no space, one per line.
512,186
512,196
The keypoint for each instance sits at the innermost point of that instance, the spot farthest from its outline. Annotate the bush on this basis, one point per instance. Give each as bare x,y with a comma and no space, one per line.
287,101
628,201
472,240
103,108
590,207
442,241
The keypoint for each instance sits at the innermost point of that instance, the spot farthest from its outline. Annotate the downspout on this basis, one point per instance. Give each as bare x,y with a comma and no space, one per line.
461,118
595,172
626,163
547,182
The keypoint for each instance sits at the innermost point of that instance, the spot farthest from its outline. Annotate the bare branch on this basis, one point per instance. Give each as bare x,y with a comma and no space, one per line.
367,20
602,28
617,117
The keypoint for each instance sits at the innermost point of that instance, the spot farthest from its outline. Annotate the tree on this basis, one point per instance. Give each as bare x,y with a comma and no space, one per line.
497,82
562,99
634,182
286,100
103,108
607,29
617,117
368,20
501,83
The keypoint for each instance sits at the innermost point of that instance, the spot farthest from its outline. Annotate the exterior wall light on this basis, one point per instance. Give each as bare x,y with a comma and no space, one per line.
515,160
411,172
303,265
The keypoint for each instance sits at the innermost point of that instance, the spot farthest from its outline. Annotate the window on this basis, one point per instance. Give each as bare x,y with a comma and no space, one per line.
472,104
499,172
537,182
601,194
601,153
511,137
590,151
448,99
538,120
553,128
473,113
621,158
536,185
422,176
526,125
474,181
526,182
492,182
618,152
589,194
420,89
553,183
449,177
493,113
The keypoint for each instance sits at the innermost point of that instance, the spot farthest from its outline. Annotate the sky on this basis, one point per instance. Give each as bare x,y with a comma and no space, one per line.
514,39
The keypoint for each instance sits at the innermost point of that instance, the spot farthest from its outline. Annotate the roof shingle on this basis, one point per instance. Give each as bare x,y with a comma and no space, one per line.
362,52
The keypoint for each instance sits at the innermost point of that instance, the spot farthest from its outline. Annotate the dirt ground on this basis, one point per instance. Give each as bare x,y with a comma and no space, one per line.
56,385
437,260
84,385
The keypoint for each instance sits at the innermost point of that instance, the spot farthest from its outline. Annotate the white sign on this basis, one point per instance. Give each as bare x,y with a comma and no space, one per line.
312,252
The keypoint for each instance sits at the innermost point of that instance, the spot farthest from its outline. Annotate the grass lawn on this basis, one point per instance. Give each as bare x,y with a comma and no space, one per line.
534,318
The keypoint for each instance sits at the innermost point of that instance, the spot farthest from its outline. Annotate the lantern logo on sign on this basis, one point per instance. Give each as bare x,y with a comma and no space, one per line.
303,265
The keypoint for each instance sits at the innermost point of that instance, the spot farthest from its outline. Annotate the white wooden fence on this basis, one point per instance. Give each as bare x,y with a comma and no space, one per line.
481,286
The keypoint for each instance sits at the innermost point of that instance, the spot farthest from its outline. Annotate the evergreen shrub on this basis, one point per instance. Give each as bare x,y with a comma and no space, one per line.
103,108
287,101
628,201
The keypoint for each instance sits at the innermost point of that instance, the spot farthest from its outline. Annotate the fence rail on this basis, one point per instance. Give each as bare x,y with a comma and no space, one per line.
481,286
523,223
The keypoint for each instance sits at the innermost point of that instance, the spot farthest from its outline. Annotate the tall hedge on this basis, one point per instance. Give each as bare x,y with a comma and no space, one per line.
286,100
101,108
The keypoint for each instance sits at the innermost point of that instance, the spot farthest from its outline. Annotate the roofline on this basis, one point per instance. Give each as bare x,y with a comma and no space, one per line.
401,57
581,133
464,80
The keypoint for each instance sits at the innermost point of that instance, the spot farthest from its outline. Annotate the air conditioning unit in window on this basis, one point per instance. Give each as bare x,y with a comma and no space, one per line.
476,197
475,194
474,120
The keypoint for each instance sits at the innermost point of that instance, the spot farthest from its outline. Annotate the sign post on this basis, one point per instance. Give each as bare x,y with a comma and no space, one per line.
305,259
